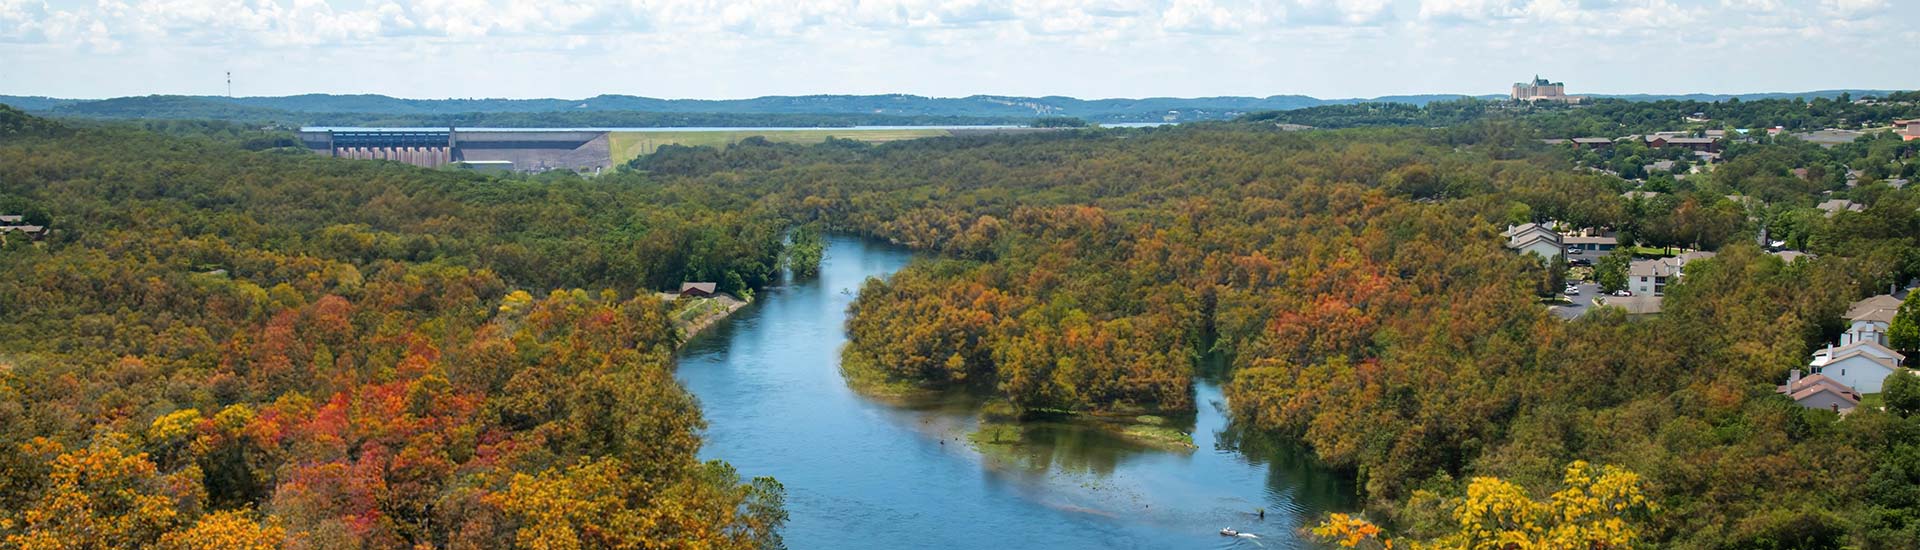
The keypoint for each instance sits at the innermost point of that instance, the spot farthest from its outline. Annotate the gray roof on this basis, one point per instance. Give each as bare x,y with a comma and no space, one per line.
1835,206
1864,346
1689,140
1635,305
1665,267
1525,240
1878,309
1815,384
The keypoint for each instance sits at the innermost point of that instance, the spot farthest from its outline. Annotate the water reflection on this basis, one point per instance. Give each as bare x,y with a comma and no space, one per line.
866,474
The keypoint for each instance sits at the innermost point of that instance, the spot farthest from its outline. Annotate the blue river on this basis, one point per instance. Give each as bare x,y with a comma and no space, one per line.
862,473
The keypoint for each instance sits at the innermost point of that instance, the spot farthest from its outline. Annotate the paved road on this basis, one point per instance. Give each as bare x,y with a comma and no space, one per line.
1581,303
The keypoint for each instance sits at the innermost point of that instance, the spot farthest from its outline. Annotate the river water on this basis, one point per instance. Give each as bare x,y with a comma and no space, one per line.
861,473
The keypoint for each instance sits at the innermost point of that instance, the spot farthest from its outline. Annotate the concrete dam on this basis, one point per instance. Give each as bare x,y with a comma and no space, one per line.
515,150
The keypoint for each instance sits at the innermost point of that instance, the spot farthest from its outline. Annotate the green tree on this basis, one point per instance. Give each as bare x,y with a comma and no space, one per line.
1556,277
1902,393
805,251
1611,270
1904,332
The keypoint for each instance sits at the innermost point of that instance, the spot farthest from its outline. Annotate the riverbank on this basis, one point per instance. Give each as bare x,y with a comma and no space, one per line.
692,314
1000,424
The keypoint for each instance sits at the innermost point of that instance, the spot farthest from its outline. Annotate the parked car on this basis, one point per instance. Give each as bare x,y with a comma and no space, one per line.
1572,291
1622,292
1571,251
1580,262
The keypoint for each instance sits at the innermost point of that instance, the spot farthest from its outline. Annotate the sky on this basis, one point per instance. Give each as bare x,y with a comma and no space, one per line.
951,48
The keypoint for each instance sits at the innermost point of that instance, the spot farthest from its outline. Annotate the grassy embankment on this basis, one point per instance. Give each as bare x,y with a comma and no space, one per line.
1001,425
1003,429
690,315
627,145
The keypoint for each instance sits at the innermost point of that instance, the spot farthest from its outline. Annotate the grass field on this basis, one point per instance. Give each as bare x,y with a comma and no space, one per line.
627,145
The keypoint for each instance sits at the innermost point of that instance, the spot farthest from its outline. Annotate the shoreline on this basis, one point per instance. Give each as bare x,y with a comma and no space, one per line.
699,313
997,420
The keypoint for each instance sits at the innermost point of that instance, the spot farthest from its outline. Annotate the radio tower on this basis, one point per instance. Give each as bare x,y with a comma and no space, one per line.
229,84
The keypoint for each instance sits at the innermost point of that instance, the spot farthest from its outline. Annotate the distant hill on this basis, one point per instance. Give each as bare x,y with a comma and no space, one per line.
811,110
1829,94
35,103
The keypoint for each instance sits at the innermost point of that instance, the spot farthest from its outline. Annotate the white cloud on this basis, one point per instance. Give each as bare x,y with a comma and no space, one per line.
1854,9
742,47
1468,9
1762,6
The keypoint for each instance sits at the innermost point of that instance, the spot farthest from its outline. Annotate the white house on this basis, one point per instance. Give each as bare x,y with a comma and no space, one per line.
1536,238
1862,366
1650,277
1869,320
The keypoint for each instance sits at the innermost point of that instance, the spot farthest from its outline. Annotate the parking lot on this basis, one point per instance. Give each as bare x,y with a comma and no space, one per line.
1581,302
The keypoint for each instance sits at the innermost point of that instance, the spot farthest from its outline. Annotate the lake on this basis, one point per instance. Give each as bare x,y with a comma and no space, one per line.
862,473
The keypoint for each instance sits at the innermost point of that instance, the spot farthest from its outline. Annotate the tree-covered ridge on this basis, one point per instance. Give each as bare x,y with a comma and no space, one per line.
1610,117
14,123
1357,285
218,348
225,109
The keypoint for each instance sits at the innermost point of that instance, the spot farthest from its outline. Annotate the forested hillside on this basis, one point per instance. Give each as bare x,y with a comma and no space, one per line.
216,348
1356,284
1612,117
220,344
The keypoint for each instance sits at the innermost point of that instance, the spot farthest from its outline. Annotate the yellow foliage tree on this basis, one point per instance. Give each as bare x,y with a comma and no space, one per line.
98,497
1594,510
226,530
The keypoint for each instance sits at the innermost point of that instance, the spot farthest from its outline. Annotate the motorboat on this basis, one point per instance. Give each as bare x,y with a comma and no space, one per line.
1229,532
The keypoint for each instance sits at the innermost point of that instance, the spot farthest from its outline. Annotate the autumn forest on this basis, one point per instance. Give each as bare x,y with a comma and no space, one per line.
226,342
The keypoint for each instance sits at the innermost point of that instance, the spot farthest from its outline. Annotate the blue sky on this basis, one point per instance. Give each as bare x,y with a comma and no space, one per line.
1101,48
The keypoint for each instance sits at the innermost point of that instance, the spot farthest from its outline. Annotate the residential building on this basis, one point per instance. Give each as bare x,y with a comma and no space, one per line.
1868,320
1836,206
1790,256
1693,143
1536,238
1909,129
1863,366
1592,143
1819,392
698,289
1586,241
1640,194
12,219
1651,277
